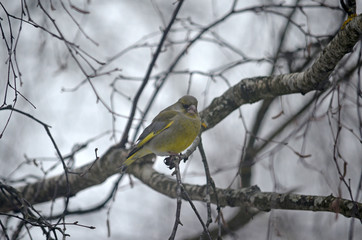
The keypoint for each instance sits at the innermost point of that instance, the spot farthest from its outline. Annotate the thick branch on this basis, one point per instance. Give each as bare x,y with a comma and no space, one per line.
251,90
248,197
51,188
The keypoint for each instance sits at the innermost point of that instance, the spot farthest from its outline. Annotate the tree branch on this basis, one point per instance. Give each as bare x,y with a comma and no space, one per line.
248,197
251,90
82,178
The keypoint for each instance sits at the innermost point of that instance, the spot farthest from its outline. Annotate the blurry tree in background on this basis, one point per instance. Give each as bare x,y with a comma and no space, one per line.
279,90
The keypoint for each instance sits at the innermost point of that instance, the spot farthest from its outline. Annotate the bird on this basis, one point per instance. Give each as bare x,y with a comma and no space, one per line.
171,131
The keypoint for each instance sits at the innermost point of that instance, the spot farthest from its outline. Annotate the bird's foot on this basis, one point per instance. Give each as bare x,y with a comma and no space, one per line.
170,161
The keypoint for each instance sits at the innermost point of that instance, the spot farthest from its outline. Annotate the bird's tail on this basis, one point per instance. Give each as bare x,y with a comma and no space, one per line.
135,154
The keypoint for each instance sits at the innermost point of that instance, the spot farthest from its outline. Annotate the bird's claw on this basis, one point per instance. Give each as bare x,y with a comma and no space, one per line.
170,161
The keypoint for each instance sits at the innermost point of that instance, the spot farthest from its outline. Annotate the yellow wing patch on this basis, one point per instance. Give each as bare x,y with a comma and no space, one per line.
152,134
139,151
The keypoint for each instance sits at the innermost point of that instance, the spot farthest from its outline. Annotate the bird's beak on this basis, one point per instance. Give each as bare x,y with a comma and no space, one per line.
192,109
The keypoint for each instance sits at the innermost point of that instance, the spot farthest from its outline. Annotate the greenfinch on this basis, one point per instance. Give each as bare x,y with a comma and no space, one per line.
171,131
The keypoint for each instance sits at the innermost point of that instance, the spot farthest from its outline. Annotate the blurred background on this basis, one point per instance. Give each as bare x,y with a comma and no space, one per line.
77,65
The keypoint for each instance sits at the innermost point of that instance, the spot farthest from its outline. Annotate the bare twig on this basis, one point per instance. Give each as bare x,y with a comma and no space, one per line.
148,74
181,192
210,182
179,200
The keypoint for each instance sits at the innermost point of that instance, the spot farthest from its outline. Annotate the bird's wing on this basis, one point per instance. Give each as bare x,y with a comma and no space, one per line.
161,122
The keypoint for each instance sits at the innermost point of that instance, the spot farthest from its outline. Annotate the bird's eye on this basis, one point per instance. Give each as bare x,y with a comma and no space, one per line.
186,106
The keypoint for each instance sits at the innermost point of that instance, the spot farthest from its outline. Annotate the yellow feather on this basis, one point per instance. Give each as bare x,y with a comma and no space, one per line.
151,135
141,151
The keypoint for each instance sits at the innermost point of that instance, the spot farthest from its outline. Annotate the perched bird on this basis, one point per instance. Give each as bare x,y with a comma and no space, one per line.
171,131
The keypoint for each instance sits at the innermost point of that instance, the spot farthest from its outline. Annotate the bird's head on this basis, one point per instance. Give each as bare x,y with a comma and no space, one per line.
188,104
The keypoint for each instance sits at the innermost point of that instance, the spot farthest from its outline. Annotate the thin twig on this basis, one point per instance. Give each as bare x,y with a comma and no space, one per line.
187,197
148,74
179,199
210,181
181,192
65,168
